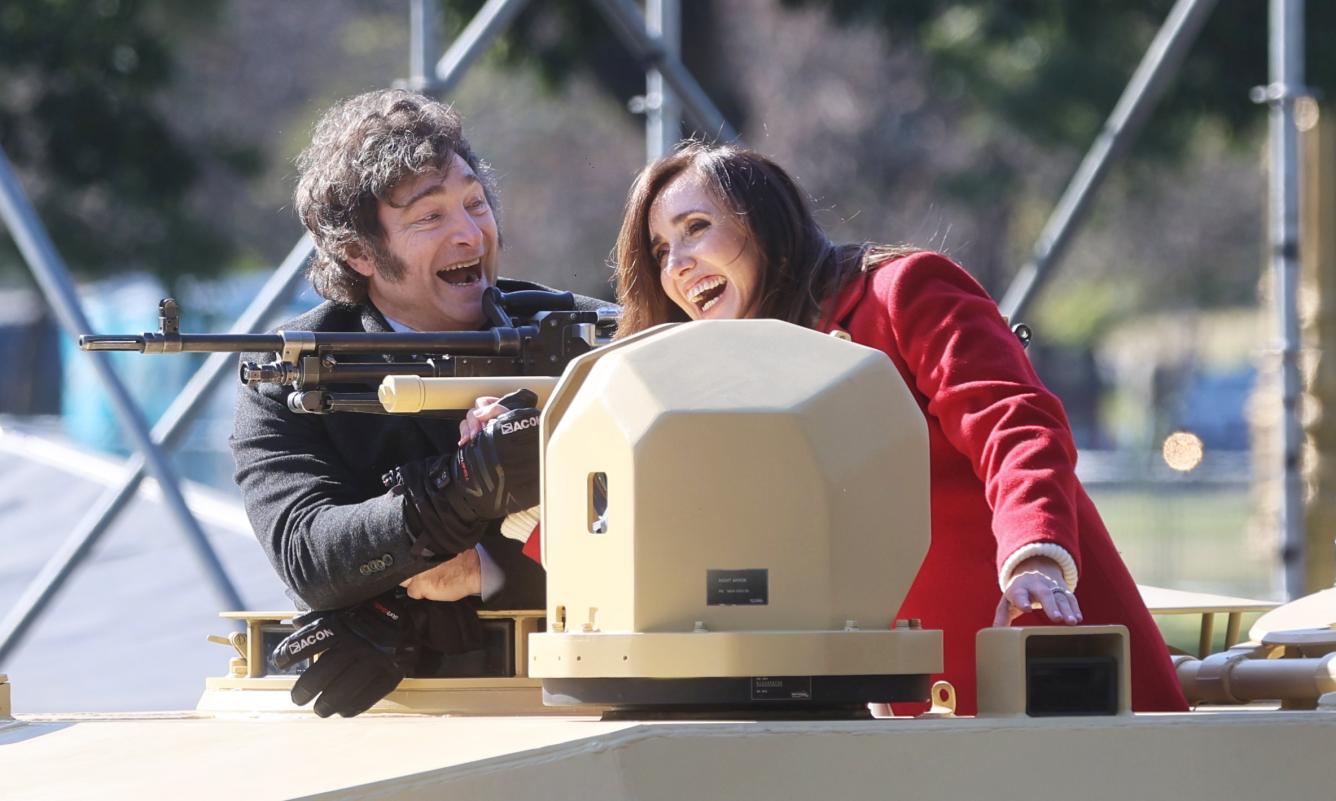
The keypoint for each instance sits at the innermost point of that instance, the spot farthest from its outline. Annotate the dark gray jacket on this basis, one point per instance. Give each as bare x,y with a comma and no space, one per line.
311,485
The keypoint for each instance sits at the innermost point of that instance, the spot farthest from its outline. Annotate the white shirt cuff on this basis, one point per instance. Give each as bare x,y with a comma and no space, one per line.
493,577
1051,550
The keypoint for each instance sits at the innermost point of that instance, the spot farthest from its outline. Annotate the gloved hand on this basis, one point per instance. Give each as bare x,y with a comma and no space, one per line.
365,650
498,471
451,498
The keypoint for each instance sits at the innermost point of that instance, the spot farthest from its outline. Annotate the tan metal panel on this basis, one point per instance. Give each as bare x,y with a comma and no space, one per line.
1001,662
1183,756
755,653
728,446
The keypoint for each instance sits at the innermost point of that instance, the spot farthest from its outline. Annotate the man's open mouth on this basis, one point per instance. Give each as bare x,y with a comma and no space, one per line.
463,274
706,293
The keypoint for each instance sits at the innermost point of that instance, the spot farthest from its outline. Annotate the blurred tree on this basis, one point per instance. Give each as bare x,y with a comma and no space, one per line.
560,39
1054,69
83,119
1044,73
1051,71
1051,68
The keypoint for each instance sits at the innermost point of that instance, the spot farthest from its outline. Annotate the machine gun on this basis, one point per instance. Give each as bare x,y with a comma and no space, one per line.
532,333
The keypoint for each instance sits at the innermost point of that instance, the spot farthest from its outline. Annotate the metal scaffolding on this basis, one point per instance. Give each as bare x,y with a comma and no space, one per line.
1286,57
57,287
1147,85
1152,76
652,42
671,93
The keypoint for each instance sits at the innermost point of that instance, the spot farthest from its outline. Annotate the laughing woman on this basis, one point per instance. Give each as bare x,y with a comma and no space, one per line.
722,232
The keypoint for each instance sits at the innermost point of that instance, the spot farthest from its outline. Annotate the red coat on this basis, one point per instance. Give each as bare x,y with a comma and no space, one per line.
1002,467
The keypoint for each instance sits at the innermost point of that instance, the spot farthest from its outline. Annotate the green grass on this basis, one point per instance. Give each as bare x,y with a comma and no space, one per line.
1183,631
1189,538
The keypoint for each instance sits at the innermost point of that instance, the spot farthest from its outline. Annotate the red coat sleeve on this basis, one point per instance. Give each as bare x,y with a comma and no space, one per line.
533,547
987,398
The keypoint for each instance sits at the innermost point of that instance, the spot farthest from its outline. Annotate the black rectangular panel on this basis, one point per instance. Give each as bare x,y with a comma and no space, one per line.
1071,685
781,688
737,587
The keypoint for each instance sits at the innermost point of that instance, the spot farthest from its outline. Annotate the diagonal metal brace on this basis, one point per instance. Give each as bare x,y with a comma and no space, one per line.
1148,83
490,21
626,21
629,24
166,434
53,278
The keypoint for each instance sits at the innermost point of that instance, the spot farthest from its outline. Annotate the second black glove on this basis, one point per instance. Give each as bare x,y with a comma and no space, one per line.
364,650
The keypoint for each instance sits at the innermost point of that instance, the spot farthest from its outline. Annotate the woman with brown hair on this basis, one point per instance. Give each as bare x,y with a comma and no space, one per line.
716,232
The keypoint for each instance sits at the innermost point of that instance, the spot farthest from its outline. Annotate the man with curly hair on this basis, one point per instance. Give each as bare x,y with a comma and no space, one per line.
403,215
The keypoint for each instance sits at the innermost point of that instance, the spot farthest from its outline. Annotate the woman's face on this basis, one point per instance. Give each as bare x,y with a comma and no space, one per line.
709,264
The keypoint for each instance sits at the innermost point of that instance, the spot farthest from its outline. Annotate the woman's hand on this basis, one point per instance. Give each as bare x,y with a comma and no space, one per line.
487,408
484,408
1038,583
451,580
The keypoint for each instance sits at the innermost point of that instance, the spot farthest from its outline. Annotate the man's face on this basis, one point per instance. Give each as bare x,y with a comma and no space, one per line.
440,237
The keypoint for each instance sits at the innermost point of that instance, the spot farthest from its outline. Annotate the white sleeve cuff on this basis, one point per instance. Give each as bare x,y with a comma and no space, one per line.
493,578
1052,550
519,525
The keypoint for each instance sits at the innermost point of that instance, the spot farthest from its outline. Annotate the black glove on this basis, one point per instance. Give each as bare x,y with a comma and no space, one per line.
497,472
365,650
450,499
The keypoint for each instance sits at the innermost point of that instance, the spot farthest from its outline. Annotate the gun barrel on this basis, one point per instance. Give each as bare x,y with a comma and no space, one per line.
111,342
495,342
211,343
151,342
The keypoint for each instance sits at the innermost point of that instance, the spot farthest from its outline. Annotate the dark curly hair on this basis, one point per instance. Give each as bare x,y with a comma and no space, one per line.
361,149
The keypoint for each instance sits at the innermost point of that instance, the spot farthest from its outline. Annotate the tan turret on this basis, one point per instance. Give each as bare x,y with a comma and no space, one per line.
765,510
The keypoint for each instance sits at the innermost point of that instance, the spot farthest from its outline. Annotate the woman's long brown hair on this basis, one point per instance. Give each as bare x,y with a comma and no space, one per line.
800,268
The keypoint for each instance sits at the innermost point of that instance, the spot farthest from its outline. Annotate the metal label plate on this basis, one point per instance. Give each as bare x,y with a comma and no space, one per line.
737,587
781,688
